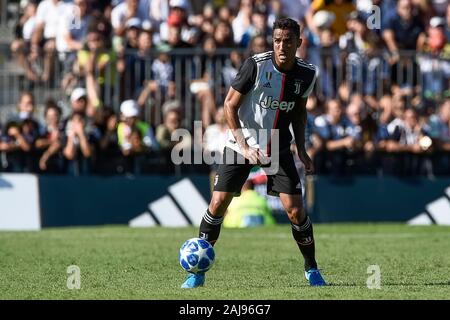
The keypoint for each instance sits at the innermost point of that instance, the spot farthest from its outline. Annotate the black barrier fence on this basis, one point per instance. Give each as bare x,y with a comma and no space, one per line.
68,201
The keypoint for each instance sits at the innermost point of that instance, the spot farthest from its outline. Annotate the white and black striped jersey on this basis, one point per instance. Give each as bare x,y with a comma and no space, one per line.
271,97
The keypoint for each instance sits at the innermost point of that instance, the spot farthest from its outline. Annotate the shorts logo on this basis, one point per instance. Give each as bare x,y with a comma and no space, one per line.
271,103
216,178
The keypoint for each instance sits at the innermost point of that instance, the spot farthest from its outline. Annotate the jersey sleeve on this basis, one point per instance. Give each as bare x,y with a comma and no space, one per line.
245,78
311,85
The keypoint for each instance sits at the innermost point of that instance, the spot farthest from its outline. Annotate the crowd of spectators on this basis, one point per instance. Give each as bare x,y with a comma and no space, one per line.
381,102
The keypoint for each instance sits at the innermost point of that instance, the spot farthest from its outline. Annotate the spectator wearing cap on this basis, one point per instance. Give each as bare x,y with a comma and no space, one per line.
128,9
129,124
178,18
79,100
133,28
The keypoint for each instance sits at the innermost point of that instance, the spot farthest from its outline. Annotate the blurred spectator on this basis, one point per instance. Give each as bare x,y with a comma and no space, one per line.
109,157
14,147
172,121
242,23
438,128
204,86
159,86
435,62
50,141
48,15
215,138
223,35
100,61
323,51
406,144
313,143
259,27
130,122
127,10
174,39
21,46
231,69
29,127
72,31
258,44
447,25
178,17
138,66
79,145
248,210
296,9
340,8
403,32
338,135
364,48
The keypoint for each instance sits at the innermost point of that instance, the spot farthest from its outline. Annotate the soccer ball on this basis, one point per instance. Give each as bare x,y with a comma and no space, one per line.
196,255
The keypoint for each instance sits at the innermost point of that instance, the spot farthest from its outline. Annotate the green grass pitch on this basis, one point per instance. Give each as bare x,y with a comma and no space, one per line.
259,263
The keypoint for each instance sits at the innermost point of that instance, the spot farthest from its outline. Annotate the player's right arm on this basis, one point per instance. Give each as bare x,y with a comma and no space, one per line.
232,103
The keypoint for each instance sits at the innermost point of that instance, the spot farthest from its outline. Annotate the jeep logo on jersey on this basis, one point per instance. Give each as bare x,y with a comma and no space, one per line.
271,103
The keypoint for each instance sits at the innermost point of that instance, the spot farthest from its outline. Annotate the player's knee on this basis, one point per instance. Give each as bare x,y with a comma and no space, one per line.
296,214
218,205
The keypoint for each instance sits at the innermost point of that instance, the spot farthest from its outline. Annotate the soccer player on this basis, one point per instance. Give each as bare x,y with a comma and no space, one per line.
269,92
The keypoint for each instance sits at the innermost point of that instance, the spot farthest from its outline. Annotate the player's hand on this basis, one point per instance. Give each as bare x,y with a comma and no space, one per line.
307,162
255,156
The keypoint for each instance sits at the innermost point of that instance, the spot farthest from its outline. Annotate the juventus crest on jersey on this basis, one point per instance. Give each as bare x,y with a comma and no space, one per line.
271,97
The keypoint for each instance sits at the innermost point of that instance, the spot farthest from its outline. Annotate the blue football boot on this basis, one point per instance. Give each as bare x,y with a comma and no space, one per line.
315,278
194,280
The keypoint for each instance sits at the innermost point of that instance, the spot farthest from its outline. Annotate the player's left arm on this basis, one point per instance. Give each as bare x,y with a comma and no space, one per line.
298,127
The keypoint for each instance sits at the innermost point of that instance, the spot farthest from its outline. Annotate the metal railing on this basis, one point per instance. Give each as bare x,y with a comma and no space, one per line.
366,76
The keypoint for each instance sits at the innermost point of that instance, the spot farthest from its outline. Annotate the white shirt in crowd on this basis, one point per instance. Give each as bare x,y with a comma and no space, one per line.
71,23
49,12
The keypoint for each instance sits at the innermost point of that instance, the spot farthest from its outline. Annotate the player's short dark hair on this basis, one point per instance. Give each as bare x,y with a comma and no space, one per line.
287,24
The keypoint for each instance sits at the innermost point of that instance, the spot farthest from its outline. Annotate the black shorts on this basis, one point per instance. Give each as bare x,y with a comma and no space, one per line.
231,177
